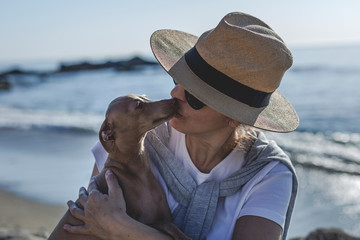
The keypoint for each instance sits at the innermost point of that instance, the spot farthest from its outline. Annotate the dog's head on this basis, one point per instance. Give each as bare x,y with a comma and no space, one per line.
129,117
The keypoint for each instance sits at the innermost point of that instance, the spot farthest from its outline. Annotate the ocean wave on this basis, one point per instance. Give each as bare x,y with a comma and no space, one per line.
338,152
323,68
334,153
16,118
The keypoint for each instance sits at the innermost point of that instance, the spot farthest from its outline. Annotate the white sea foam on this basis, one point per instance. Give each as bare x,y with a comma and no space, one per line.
326,152
56,119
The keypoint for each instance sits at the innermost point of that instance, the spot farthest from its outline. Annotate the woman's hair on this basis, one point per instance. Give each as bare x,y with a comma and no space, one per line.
245,137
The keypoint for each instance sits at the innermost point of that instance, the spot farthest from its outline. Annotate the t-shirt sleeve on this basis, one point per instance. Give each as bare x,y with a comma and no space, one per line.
271,196
100,155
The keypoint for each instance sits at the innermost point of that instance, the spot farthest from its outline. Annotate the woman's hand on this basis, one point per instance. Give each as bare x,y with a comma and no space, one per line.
101,213
104,215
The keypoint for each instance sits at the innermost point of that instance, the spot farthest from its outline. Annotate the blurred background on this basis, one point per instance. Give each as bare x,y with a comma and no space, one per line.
62,62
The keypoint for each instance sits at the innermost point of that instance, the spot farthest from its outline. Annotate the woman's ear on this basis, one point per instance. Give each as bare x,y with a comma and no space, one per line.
234,123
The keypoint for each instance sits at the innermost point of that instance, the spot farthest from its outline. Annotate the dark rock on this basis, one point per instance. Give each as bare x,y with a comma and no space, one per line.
140,61
76,67
123,65
18,72
15,76
15,71
4,85
133,64
328,234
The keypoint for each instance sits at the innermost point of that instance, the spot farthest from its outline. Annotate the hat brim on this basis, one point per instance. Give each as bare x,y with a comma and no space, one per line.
169,47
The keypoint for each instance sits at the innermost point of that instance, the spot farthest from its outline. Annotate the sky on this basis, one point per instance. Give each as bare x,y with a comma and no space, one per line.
88,29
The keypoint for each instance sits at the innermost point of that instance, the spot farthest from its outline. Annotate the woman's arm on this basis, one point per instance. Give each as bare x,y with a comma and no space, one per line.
256,228
104,215
263,215
59,233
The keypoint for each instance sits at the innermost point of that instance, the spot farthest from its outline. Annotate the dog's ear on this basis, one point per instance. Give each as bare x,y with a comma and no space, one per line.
106,136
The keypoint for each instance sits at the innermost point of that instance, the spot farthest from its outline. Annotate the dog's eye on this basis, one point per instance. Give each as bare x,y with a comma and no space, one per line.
139,104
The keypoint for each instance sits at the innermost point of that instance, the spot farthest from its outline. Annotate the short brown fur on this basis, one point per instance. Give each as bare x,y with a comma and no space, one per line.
122,134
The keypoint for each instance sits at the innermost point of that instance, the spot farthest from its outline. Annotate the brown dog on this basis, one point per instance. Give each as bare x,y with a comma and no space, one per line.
122,134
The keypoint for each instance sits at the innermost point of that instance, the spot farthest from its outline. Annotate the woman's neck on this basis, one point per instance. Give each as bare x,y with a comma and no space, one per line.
208,151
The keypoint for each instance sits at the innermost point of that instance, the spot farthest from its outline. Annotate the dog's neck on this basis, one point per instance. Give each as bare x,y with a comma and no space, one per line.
128,159
125,163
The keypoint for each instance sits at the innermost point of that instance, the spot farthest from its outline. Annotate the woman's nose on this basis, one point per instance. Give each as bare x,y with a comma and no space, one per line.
178,92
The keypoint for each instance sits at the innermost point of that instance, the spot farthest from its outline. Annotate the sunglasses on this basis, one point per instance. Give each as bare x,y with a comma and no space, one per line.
193,102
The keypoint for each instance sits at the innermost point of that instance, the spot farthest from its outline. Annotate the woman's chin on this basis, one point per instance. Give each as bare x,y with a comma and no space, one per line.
175,123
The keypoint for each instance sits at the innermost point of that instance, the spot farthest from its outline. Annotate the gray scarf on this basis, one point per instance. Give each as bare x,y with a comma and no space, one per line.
197,204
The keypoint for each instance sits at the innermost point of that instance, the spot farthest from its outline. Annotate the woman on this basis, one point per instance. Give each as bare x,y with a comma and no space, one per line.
222,178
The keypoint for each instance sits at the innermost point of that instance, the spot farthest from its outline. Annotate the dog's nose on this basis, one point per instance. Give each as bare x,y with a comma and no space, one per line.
173,101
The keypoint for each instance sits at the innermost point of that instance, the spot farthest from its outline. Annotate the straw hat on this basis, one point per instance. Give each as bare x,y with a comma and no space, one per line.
234,68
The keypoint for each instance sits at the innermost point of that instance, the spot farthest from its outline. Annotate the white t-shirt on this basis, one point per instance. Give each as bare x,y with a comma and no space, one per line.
267,195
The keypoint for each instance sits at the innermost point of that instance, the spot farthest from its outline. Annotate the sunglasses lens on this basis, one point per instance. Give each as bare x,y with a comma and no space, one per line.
193,101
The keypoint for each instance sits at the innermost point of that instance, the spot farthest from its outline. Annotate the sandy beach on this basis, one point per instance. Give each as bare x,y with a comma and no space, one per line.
37,198
23,217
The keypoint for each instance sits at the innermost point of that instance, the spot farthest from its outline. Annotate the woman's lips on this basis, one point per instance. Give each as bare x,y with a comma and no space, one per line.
179,107
178,114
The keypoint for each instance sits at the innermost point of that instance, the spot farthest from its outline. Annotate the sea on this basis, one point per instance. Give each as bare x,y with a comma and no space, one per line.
49,123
